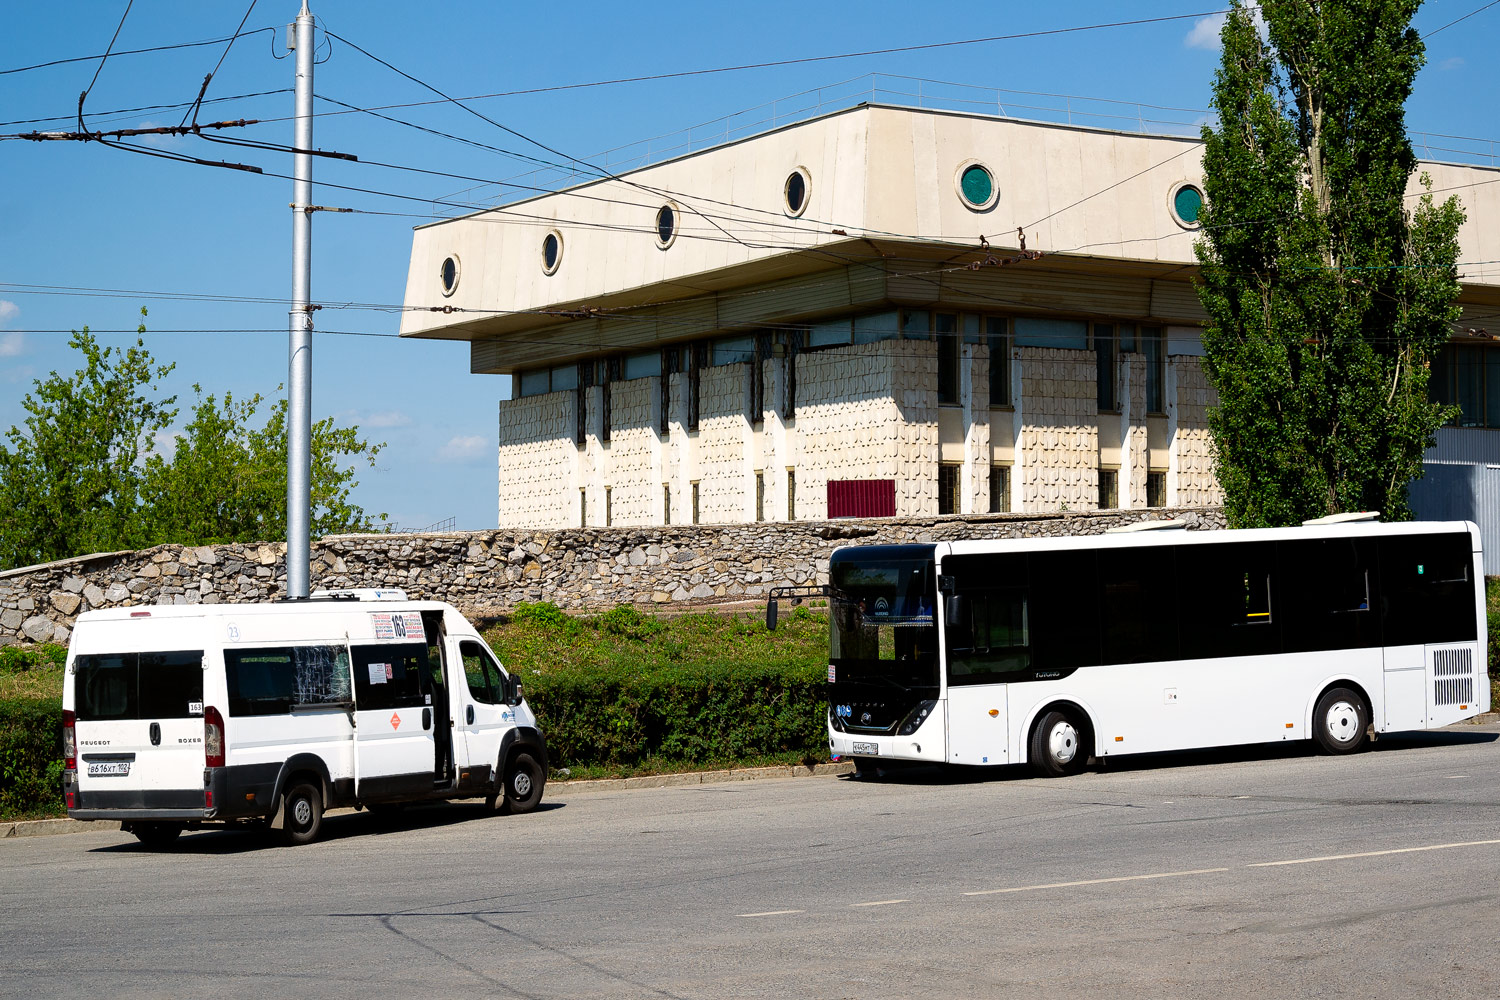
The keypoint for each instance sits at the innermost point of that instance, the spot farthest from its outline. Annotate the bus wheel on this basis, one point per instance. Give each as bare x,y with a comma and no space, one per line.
1057,746
523,783
302,809
1340,721
156,836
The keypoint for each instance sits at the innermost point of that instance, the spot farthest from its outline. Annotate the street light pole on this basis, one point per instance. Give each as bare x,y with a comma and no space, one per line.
299,347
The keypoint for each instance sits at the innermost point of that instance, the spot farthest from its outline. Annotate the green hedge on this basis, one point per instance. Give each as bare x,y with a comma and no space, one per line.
30,757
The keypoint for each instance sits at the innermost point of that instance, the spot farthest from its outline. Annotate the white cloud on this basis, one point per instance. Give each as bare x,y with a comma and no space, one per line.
164,443
8,310
465,448
1453,63
386,418
1205,33
12,345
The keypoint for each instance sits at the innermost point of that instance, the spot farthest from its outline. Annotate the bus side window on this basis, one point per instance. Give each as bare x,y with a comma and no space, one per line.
1426,589
479,673
1229,603
1138,604
1330,589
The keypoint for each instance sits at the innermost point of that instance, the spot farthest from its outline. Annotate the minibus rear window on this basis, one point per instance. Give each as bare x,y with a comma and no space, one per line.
115,686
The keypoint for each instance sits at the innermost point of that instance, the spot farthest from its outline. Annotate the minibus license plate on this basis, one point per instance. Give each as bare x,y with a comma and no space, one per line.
873,749
109,768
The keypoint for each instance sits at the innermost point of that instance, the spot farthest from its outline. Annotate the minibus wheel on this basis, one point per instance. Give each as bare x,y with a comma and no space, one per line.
156,836
1340,721
1057,745
523,783
302,813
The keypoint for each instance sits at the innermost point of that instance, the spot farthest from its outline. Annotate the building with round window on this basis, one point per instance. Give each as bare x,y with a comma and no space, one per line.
880,311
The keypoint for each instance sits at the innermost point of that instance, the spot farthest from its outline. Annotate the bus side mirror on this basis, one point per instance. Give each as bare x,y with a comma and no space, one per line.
956,607
771,615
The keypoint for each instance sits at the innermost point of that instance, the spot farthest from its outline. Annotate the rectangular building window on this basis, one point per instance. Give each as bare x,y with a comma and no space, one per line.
998,340
760,495
609,507
793,343
583,507
948,476
534,383
791,494
1468,376
671,358
695,501
949,351
613,372
873,327
643,364
583,380
831,333
1108,371
916,324
999,489
758,377
1109,489
666,503
1070,334
1155,349
697,361
1156,489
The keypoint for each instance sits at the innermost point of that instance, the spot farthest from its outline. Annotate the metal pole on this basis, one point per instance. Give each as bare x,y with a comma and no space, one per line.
299,346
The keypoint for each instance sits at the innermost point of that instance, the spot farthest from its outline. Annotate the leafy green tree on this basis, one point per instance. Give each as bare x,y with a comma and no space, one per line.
85,474
226,481
70,482
1326,296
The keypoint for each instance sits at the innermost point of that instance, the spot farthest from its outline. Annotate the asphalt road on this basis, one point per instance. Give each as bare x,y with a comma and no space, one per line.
1249,873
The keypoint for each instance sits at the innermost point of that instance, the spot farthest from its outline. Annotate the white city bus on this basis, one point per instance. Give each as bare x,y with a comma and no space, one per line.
267,714
1050,651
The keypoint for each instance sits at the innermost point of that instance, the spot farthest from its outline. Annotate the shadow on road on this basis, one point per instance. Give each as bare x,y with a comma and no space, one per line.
241,839
898,772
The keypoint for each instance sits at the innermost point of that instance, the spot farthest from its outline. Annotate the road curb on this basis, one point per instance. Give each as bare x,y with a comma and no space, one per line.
54,827
1485,719
703,777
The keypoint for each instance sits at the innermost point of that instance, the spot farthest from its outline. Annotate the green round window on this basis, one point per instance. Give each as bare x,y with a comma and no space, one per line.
977,185
1187,203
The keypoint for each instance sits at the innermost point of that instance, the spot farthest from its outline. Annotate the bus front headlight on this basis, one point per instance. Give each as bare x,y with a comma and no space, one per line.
914,721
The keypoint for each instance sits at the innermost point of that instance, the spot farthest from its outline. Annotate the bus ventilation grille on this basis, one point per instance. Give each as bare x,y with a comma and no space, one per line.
1453,673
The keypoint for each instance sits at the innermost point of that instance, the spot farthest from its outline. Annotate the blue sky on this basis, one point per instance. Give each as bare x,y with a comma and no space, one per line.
78,215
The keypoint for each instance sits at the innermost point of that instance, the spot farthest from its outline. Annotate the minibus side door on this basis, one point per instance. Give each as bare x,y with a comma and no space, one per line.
488,715
394,721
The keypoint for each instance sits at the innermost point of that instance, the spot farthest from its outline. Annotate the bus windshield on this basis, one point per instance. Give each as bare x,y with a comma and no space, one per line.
881,621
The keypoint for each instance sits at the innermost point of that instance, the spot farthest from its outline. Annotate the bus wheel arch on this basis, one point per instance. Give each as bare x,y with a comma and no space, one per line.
1060,740
303,767
1340,717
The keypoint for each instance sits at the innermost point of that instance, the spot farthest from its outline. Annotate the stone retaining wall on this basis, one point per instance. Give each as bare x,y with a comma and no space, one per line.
488,572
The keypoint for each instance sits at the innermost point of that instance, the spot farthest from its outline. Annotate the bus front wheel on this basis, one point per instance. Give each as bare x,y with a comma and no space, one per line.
1340,721
1057,745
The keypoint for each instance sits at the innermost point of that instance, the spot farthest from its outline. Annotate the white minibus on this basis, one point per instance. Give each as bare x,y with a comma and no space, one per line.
176,717
1050,651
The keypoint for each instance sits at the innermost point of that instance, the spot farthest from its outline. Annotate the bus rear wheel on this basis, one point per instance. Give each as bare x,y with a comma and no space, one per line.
303,813
1340,721
1057,745
156,836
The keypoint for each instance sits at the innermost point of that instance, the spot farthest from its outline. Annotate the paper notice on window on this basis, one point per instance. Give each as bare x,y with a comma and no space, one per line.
379,673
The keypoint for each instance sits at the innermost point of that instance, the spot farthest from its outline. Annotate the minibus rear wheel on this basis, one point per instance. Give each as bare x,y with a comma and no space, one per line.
156,836
302,813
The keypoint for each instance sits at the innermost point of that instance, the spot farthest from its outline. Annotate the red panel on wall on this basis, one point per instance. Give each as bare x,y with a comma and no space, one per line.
861,498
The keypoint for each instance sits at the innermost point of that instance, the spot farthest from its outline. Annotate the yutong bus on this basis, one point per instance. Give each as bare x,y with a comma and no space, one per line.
1049,651
266,714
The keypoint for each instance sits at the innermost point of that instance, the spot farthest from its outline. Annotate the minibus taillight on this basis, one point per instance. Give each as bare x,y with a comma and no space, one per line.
213,737
70,741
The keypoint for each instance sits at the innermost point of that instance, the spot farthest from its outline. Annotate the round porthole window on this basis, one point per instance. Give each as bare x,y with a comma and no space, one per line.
794,192
666,226
552,251
448,274
976,186
1186,202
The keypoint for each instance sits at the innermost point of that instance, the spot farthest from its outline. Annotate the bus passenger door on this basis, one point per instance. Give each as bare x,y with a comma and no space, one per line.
395,749
977,724
1405,689
486,714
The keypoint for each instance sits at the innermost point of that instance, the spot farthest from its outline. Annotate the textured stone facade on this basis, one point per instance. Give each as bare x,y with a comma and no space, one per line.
1191,480
1060,430
488,572
538,461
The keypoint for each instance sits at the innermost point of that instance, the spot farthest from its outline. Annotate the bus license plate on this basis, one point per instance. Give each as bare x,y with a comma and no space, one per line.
109,768
872,749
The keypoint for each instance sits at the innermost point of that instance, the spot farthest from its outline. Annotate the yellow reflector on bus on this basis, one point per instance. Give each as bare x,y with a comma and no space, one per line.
1119,739
1289,725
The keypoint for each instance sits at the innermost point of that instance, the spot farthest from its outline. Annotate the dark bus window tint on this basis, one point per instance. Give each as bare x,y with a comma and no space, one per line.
1329,587
990,641
479,673
390,676
171,685
104,687
1138,604
260,681
1229,605
1064,612
1427,589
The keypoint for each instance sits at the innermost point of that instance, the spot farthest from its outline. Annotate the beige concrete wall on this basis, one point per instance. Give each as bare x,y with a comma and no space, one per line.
630,470
538,462
1190,477
723,447
1135,454
1059,431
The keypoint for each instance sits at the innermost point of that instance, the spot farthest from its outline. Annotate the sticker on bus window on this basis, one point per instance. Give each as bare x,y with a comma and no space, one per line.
398,625
379,672
195,708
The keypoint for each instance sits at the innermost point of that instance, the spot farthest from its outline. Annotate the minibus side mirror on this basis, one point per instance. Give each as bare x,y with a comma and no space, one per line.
516,694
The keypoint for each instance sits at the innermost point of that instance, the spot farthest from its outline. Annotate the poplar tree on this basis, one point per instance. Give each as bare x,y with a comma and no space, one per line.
1328,290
